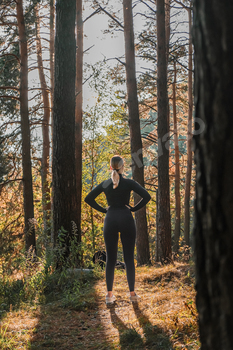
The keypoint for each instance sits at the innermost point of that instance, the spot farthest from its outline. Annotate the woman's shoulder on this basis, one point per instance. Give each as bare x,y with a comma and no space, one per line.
106,183
127,181
132,183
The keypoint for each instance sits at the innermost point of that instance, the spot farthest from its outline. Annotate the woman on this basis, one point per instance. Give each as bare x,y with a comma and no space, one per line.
119,219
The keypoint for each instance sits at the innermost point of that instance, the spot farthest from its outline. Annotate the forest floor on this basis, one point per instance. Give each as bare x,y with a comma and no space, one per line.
165,317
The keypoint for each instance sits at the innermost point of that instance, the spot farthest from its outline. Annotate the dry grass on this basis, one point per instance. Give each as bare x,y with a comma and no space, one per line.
165,317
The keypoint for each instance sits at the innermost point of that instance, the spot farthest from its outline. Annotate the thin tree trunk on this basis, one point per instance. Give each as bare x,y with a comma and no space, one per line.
189,140
213,233
177,167
64,181
78,110
164,220
157,240
30,240
46,203
92,185
167,26
51,61
51,47
142,241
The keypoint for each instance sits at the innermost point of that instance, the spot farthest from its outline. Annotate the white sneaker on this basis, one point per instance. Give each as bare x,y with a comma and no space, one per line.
110,300
134,298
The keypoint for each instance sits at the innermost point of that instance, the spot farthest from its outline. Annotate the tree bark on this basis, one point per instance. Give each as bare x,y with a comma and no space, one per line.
64,182
46,202
167,27
51,47
177,167
30,240
164,220
212,32
79,110
142,241
189,139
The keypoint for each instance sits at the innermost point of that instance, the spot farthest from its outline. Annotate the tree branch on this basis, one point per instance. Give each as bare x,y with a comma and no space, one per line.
9,87
111,16
10,97
183,5
94,13
11,54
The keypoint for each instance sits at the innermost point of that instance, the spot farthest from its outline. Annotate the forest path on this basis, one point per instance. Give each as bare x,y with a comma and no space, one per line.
165,318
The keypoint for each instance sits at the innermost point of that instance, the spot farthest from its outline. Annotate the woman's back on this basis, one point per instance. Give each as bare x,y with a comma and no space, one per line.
120,196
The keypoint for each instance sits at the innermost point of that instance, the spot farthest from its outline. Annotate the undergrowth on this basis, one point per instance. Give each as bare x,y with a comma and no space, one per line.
39,281
40,285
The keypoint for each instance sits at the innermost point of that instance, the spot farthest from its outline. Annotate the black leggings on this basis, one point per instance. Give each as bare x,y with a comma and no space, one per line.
119,220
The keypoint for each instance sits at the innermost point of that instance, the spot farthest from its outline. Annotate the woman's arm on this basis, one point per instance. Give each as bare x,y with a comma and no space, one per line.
143,193
90,198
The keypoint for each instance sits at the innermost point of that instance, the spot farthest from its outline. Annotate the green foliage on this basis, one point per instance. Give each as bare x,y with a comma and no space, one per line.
5,342
4,162
79,296
9,77
39,281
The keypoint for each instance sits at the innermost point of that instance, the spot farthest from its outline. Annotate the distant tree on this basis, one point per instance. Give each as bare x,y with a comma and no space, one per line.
163,206
213,233
30,240
189,136
177,166
64,180
51,45
142,241
46,201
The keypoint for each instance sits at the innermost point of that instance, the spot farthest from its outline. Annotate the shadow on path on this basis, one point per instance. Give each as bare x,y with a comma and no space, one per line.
154,336
70,318
129,337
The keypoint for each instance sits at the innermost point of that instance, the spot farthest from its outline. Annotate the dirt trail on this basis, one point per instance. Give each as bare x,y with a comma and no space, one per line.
165,317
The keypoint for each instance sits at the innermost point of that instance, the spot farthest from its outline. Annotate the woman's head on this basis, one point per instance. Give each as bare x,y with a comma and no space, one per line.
117,166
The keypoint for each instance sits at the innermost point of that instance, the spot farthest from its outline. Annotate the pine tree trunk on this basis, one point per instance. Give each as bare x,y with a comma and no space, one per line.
142,241
213,233
30,240
167,26
164,220
189,140
46,203
177,168
78,110
51,47
64,182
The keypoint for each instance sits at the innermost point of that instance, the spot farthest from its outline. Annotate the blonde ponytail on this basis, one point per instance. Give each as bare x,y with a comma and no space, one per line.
115,178
117,165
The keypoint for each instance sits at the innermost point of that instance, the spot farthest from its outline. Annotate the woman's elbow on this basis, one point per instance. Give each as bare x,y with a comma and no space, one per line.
87,199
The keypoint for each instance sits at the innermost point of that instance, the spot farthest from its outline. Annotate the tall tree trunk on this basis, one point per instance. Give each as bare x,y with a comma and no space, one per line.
30,240
157,254
51,47
189,139
177,167
46,203
167,26
164,220
64,182
142,241
78,110
213,233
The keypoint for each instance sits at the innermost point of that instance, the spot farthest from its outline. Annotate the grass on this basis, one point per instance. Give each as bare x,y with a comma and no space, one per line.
70,312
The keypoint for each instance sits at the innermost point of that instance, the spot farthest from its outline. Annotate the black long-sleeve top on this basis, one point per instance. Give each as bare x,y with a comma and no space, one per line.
118,197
